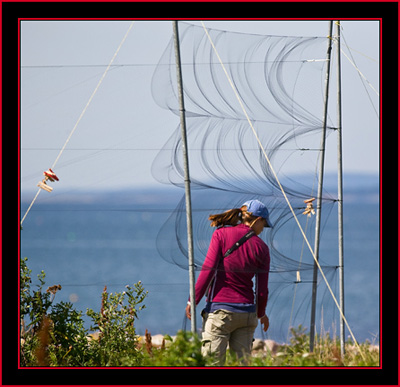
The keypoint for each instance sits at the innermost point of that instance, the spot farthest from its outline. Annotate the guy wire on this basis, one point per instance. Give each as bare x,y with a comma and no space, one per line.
82,114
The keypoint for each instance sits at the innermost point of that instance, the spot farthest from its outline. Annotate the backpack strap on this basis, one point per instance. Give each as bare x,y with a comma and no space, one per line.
239,243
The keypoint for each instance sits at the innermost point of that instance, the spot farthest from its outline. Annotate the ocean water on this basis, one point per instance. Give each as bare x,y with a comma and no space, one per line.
87,241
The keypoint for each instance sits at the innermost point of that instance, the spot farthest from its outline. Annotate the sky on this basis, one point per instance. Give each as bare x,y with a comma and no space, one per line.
122,129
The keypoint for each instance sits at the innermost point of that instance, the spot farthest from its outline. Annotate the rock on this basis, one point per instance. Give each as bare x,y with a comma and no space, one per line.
272,347
157,340
267,347
258,345
93,336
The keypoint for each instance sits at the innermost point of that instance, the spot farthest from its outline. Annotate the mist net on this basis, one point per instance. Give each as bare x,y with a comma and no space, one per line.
281,81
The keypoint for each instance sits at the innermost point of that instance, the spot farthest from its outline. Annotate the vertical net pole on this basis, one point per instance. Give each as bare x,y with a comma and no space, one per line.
319,195
340,191
187,177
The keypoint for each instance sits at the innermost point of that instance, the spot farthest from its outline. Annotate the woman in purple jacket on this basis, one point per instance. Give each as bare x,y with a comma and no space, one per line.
236,255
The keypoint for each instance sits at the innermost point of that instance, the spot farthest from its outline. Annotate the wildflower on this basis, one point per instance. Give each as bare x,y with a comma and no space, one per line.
53,289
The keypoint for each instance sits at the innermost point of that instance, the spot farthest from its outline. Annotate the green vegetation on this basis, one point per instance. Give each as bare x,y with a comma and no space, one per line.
53,334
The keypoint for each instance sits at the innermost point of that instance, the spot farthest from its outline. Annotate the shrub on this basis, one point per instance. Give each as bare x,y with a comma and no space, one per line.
54,334
115,321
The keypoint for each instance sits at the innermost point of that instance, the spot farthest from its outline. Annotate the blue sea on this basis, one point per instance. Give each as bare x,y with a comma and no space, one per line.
87,240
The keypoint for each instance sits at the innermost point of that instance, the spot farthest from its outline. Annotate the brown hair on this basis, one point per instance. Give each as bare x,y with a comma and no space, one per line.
231,217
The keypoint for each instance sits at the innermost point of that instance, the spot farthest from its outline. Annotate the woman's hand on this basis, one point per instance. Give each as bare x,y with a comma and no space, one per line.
264,320
188,315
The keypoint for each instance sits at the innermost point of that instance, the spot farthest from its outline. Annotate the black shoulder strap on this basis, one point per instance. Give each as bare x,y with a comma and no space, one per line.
239,243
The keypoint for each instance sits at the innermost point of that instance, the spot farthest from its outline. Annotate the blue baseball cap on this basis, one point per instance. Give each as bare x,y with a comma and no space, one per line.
256,208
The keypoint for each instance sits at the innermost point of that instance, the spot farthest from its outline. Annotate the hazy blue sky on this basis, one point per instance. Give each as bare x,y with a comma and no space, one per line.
122,130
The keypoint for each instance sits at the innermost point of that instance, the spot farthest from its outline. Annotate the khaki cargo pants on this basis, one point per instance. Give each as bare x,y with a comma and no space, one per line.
222,327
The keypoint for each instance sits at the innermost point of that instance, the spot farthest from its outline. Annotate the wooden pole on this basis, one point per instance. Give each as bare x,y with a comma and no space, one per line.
187,178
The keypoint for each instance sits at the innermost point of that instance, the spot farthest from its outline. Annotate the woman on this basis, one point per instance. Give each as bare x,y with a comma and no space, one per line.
227,277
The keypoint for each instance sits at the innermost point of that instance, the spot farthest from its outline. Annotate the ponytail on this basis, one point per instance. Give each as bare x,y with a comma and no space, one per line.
231,217
228,218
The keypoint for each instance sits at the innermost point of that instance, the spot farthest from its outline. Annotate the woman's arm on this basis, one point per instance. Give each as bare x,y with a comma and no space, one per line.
262,286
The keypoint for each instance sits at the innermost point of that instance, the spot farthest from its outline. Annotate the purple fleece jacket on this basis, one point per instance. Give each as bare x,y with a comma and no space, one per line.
234,278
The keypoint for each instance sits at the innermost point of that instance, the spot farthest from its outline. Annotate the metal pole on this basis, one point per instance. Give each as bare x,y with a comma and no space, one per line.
340,190
319,195
187,178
